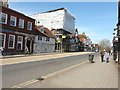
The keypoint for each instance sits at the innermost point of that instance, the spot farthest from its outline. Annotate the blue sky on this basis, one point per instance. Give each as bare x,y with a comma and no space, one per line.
96,19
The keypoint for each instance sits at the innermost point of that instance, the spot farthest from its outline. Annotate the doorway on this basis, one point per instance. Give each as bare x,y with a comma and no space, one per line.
28,45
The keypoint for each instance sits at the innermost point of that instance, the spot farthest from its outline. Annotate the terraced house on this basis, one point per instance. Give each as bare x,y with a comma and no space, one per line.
16,32
44,40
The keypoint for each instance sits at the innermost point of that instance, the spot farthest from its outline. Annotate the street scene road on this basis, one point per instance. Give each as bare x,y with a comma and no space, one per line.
18,73
60,44
88,75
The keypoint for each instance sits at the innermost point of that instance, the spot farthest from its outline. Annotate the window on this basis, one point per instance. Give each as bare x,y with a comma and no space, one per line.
21,23
3,18
12,21
19,42
40,38
29,26
42,29
2,39
11,41
47,38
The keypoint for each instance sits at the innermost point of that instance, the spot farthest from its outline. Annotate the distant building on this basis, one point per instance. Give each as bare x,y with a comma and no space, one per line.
56,19
44,40
60,22
86,42
16,32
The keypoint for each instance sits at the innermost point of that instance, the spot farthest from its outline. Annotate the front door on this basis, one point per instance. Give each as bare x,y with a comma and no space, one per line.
29,45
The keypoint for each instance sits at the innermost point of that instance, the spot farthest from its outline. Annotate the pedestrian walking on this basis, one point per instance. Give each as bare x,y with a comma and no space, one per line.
107,56
102,55
109,52
26,50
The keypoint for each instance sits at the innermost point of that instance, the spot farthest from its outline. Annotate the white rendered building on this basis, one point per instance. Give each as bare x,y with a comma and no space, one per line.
44,41
56,19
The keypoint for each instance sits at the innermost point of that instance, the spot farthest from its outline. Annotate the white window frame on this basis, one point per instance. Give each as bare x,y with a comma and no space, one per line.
15,20
13,41
39,38
47,39
41,29
30,26
20,42
22,23
1,13
4,39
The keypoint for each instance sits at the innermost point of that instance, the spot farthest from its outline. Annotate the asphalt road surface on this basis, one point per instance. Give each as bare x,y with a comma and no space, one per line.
18,73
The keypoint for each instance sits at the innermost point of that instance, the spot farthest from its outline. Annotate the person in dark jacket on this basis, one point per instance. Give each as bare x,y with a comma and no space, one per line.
102,55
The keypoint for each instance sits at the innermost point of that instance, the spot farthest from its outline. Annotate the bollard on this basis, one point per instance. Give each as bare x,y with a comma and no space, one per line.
91,57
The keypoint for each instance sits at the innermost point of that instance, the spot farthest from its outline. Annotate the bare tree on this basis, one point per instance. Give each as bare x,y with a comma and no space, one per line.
105,44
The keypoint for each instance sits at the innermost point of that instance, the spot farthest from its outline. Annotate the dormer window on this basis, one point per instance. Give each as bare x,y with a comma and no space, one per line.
41,29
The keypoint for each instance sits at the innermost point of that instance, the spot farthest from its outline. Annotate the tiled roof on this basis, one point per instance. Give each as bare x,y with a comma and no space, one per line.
82,36
47,32
37,32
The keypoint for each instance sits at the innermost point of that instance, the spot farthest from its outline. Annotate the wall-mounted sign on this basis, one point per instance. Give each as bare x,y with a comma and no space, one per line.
63,36
7,30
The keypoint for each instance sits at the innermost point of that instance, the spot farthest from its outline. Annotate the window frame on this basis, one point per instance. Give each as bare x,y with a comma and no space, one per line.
22,23
30,26
40,39
13,42
42,29
3,46
47,39
18,42
1,13
15,20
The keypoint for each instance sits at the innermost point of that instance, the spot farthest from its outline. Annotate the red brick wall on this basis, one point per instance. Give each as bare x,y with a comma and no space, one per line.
18,15
7,26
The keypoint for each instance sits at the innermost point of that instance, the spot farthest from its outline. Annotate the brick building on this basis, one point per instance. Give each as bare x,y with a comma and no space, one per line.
16,32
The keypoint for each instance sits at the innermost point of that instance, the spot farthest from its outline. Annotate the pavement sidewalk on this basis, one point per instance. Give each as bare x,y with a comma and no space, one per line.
38,57
27,55
87,75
